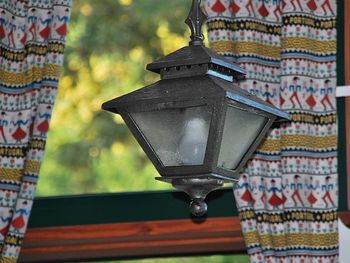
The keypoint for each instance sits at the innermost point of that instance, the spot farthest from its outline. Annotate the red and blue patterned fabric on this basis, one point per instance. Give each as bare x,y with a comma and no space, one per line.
288,194
32,41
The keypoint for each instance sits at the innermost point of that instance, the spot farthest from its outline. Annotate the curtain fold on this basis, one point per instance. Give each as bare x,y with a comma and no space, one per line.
32,35
288,194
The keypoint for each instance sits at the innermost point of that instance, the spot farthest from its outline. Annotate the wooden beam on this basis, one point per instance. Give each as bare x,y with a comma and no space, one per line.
139,239
345,217
136,240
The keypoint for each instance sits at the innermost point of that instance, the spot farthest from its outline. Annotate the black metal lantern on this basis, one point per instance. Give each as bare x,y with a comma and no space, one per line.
195,125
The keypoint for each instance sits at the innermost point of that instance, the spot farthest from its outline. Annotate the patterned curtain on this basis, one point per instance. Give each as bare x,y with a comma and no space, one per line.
287,196
32,35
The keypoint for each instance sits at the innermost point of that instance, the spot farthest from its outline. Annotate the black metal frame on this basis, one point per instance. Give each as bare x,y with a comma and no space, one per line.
228,174
206,167
192,91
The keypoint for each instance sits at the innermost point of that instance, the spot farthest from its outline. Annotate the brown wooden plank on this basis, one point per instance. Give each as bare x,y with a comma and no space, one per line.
142,239
347,82
157,238
345,217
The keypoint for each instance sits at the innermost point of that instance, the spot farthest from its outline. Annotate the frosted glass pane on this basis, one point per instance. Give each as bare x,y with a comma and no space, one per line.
177,136
240,131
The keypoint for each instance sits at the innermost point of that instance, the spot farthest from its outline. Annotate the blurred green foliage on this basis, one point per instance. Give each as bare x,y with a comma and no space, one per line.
108,46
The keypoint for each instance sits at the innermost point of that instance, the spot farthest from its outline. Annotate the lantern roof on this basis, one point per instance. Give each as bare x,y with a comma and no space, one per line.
196,55
183,89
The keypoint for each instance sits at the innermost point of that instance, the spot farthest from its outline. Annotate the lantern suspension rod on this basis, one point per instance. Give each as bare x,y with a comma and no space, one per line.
195,20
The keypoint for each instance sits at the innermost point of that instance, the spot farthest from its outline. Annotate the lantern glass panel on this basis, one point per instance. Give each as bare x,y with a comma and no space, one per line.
178,136
240,131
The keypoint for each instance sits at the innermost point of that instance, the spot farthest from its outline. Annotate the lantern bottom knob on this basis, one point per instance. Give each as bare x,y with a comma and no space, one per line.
198,207
197,187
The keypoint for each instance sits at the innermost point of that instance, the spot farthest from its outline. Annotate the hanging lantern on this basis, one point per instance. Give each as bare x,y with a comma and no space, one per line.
195,125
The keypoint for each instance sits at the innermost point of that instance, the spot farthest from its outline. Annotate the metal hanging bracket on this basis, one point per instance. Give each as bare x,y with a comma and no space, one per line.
195,20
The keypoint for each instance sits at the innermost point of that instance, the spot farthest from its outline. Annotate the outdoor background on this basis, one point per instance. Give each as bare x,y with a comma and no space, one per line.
108,46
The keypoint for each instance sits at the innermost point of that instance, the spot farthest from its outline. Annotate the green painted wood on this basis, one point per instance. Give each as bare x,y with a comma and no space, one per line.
341,110
124,207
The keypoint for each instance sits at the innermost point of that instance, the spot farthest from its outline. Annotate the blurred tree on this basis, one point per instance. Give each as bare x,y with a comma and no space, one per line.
108,46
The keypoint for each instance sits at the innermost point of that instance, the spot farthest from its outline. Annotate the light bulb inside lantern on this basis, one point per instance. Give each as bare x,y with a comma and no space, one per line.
193,142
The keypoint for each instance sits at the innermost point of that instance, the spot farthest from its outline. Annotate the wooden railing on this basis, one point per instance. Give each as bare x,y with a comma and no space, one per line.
136,240
133,240
125,225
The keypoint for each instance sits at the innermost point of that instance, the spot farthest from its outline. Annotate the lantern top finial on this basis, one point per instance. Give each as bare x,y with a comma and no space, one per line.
196,59
195,20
